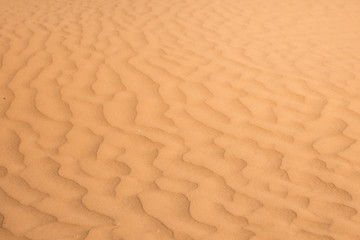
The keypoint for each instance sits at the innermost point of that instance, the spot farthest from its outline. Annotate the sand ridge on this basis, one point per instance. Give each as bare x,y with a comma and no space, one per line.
205,119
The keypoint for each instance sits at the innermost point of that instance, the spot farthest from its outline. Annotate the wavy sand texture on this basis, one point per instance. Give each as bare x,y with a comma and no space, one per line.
179,119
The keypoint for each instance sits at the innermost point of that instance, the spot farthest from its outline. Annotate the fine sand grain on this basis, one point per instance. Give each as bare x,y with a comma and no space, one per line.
179,119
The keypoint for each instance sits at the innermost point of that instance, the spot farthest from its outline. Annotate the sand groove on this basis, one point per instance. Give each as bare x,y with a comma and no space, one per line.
206,119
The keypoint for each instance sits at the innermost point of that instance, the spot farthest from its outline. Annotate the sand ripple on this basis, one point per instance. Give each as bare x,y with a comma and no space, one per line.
206,119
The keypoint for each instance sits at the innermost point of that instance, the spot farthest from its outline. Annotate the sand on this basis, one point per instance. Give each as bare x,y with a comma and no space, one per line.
179,119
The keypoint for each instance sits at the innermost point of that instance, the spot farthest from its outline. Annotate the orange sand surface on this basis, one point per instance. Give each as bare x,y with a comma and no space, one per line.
179,119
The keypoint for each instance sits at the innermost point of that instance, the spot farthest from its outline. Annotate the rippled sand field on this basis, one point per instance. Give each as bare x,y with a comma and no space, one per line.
179,119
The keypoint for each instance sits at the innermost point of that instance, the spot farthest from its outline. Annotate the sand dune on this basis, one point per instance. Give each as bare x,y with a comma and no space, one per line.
202,119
